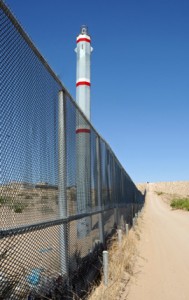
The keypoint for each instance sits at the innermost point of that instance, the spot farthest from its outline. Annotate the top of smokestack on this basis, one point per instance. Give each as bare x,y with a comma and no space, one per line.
84,29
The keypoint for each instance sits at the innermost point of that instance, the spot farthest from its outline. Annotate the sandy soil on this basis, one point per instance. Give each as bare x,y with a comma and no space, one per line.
162,268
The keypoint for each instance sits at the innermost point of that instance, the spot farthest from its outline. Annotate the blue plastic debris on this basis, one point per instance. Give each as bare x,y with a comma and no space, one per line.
45,250
34,277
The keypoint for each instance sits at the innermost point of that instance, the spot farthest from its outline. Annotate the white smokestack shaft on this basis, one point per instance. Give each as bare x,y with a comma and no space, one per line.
83,172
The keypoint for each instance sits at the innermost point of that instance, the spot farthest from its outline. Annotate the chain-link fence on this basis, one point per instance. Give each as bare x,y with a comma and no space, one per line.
62,194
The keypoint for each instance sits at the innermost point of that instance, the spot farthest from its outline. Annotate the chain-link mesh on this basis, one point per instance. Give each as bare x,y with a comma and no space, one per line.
28,132
62,190
30,264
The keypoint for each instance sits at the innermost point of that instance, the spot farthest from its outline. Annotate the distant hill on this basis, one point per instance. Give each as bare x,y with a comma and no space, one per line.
174,187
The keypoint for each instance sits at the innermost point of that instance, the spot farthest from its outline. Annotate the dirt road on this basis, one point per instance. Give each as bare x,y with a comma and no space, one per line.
162,268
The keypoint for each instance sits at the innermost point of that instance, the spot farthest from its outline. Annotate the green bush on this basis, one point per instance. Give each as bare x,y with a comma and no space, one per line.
27,197
3,200
159,193
18,207
180,203
44,197
46,210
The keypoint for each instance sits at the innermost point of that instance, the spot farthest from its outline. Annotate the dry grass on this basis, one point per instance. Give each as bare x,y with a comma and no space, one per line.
121,265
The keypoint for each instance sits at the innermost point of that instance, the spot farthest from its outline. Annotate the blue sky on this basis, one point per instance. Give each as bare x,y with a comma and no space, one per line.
139,74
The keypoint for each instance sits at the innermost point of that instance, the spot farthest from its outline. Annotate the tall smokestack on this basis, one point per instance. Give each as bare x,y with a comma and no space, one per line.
83,76
83,136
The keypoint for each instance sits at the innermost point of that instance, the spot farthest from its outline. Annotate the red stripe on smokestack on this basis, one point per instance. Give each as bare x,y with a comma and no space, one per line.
83,83
83,130
83,40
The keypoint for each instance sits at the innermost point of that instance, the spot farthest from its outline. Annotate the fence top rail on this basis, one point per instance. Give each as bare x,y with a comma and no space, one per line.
42,225
28,40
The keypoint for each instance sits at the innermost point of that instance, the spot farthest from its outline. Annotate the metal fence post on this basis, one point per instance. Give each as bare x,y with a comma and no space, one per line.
99,189
62,197
134,222
119,236
127,229
105,267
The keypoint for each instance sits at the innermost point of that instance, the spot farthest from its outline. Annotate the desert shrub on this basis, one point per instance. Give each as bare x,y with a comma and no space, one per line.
21,194
46,210
35,194
44,200
18,207
44,197
159,193
3,200
182,203
27,197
